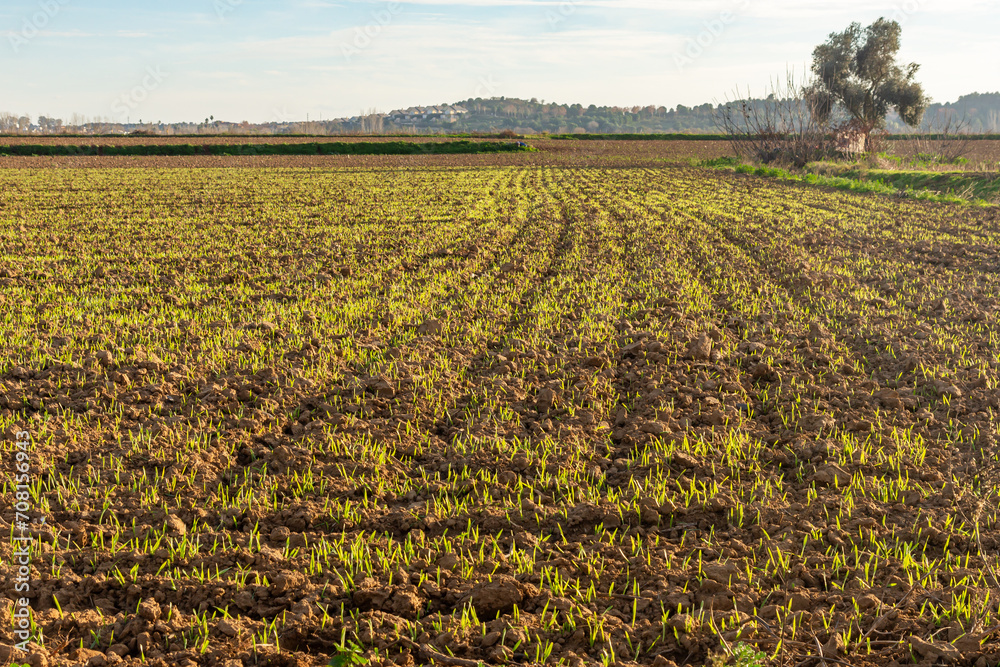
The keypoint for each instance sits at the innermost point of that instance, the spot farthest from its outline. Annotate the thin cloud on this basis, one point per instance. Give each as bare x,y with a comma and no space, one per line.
259,57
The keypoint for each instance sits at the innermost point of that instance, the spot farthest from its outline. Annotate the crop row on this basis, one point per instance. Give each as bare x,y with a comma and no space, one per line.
535,414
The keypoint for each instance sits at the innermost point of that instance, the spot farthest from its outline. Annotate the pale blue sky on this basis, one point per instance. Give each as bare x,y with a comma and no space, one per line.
255,60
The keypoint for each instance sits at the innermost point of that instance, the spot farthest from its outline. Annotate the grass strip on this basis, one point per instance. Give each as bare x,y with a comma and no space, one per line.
971,188
643,137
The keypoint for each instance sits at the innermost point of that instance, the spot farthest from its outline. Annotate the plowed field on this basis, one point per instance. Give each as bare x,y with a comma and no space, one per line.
508,415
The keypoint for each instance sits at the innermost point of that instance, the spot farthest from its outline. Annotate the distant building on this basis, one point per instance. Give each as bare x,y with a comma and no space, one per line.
448,113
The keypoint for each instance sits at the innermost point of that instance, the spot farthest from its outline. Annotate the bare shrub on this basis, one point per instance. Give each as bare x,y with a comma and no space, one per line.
782,128
371,122
944,139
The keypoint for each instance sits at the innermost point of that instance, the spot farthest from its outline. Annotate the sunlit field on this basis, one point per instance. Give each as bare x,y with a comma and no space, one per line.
494,415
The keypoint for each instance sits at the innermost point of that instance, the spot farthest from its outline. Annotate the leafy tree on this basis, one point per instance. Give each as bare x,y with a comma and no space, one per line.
857,69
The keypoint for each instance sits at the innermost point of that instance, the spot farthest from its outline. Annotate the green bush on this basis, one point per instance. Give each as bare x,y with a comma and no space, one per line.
314,148
721,162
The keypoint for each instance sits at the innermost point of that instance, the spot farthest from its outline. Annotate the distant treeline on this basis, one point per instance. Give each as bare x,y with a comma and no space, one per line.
978,112
316,148
904,137
483,117
723,137
642,137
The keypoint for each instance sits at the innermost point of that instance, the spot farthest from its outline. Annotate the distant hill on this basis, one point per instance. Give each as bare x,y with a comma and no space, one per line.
978,112
534,116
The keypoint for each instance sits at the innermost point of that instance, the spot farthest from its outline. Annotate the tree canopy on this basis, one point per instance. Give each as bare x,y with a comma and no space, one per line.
857,69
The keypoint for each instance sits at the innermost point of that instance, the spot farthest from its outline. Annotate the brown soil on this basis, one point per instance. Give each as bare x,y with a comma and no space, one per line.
485,415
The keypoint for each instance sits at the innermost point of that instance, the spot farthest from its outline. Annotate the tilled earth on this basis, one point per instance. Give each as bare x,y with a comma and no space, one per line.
515,415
